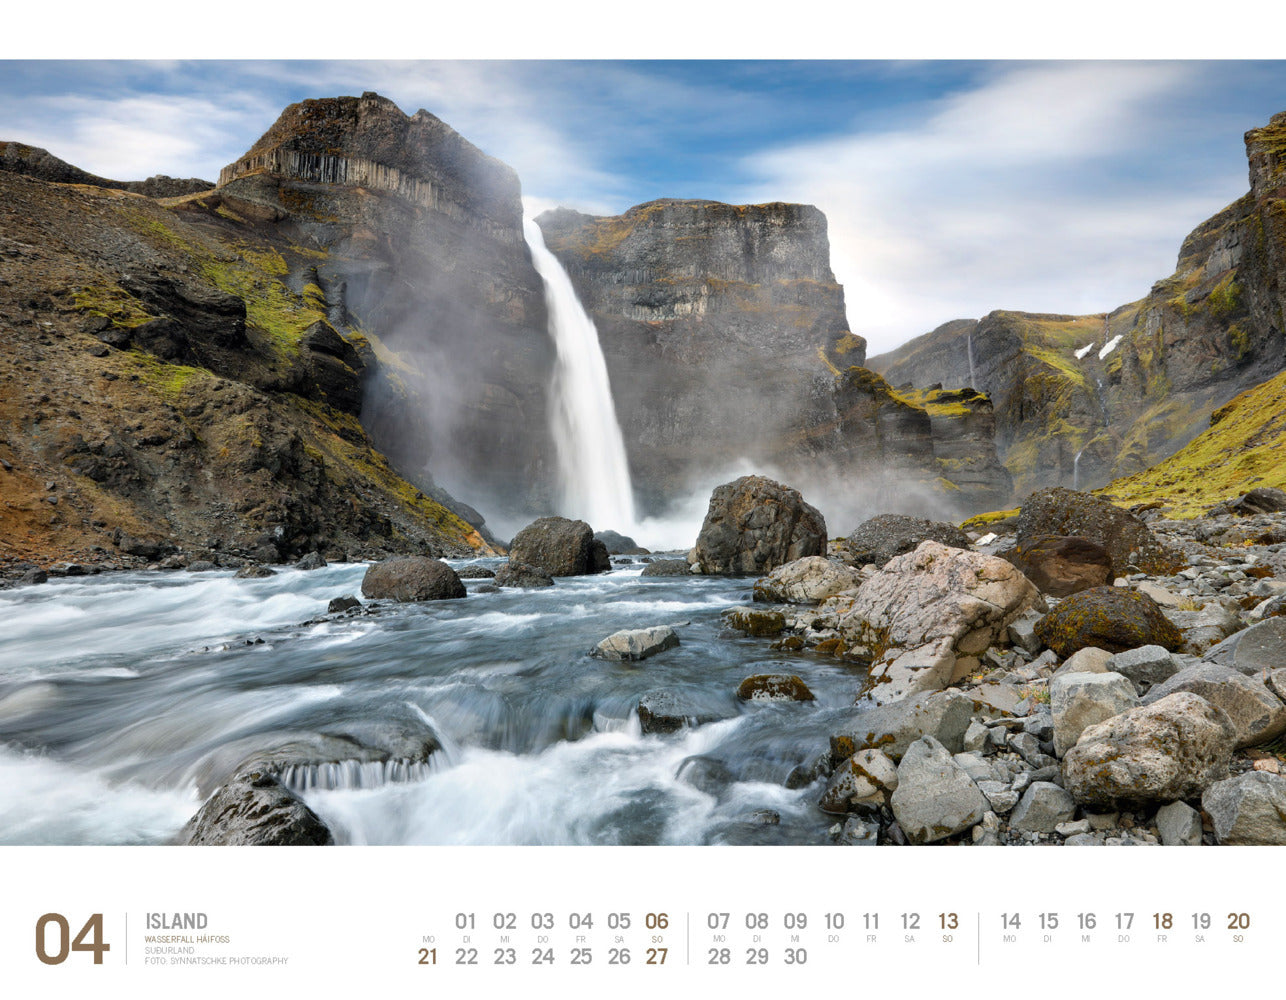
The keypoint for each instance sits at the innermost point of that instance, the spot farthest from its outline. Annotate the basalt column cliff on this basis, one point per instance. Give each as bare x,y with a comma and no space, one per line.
422,252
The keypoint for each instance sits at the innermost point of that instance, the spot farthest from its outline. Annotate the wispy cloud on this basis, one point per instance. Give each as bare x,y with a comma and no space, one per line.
1021,192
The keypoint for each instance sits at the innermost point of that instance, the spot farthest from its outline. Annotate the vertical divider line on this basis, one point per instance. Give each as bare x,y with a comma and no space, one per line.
977,930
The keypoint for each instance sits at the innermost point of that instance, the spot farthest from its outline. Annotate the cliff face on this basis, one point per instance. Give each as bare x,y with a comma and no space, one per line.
418,246
725,338
1080,400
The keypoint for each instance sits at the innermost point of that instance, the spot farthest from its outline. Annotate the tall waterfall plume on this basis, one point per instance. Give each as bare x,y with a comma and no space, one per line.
594,475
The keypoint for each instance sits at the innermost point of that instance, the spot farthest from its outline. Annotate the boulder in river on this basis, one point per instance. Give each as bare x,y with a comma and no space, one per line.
517,574
666,567
618,544
255,809
636,643
754,525
774,687
560,547
412,578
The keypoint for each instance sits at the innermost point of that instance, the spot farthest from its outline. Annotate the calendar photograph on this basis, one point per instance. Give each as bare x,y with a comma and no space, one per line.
692,453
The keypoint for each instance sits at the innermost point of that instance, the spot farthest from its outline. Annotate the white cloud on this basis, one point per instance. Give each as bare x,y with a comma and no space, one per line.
1009,195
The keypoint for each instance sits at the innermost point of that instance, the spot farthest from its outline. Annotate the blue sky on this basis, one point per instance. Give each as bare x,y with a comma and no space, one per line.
951,187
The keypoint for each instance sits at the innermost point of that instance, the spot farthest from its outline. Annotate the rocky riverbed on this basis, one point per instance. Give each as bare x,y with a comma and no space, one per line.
908,683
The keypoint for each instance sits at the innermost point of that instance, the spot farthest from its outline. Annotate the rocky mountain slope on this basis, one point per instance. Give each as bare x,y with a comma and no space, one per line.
1123,390
164,383
726,338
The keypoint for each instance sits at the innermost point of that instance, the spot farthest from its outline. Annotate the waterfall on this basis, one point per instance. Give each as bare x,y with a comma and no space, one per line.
1076,470
973,381
594,475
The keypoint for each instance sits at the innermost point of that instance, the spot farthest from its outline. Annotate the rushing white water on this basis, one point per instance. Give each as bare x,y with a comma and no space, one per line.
593,471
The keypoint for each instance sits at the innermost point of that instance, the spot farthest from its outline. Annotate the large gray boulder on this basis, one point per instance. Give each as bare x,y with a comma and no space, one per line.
1081,700
1257,714
934,797
1173,749
1043,806
255,809
927,617
1254,650
884,536
1248,809
412,578
636,643
1146,666
754,525
518,574
560,547
806,581
1127,540
892,728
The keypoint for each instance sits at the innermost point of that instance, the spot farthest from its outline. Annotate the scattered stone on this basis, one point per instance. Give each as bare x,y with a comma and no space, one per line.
1172,749
926,618
1261,500
1248,809
934,797
666,567
1164,598
412,578
892,728
1022,632
1029,748
806,581
888,535
1062,565
254,572
1204,628
774,687
1042,808
312,560
514,574
201,566
756,622
754,525
473,571
1179,825
863,782
1107,617
338,605
255,809
1073,828
1146,666
1256,713
1081,700
858,833
33,577
637,643
558,546
1090,660
143,547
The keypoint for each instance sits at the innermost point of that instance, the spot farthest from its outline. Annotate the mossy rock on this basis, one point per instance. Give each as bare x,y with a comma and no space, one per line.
774,687
755,622
1110,618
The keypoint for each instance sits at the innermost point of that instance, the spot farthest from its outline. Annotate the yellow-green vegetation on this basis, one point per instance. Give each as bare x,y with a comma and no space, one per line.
602,235
349,465
251,274
821,355
1154,431
1244,448
1225,298
938,402
169,380
112,302
847,343
990,520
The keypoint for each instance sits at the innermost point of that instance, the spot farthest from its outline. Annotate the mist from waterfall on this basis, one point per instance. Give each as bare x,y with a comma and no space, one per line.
593,473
